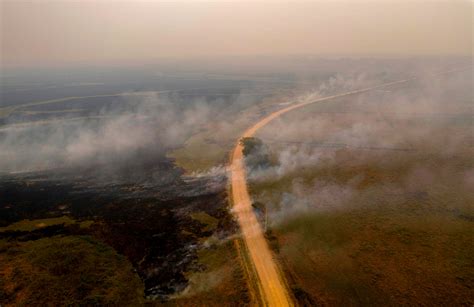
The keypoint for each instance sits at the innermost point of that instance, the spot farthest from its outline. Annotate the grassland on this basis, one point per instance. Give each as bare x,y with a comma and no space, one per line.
367,225
30,225
210,223
221,279
200,153
373,257
380,246
60,271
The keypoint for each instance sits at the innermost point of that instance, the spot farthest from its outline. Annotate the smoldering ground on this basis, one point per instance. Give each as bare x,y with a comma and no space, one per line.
112,170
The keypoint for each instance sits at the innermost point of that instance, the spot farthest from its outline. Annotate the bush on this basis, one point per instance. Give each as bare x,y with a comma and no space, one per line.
255,153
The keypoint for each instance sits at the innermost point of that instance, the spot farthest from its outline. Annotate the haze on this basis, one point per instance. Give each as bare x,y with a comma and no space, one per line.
45,33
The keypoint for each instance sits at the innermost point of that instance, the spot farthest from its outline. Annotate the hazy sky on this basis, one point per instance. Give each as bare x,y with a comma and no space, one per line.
61,32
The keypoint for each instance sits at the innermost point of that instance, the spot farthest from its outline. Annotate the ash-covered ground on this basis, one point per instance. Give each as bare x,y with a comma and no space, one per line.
143,210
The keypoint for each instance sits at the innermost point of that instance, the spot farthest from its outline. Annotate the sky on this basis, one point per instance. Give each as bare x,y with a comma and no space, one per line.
65,32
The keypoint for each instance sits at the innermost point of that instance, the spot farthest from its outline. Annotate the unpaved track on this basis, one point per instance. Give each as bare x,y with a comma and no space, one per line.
274,291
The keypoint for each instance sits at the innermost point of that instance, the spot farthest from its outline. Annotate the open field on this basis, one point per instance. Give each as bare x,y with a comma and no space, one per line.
273,288
64,271
367,257
143,176
371,203
379,246
30,225
236,153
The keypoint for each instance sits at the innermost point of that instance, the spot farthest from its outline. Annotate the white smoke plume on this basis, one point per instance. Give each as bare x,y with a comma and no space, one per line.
407,128
151,122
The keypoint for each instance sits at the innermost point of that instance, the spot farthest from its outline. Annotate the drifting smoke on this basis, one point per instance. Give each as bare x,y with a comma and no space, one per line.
215,171
419,133
148,127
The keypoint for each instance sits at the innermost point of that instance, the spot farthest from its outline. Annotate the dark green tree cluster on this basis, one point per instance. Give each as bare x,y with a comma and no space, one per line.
256,153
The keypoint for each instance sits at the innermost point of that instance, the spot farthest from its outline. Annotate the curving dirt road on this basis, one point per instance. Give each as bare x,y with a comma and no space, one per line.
274,291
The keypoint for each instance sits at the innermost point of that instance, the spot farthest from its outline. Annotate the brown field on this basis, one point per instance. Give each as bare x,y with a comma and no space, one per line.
386,218
75,270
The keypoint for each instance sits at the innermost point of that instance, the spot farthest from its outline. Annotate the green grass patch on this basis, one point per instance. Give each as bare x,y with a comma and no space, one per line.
199,154
30,225
202,217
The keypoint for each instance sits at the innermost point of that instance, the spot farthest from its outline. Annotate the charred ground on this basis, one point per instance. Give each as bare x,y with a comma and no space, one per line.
143,210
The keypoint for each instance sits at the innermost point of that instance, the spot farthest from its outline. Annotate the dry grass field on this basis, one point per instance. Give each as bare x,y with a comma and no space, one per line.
371,203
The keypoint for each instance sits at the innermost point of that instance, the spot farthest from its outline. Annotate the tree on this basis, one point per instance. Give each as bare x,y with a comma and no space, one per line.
255,153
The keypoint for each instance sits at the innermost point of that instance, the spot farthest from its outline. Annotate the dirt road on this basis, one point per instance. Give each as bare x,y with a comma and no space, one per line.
274,291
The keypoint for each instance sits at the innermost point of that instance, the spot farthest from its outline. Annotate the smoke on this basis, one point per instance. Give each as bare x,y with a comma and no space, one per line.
215,171
393,143
148,126
318,196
